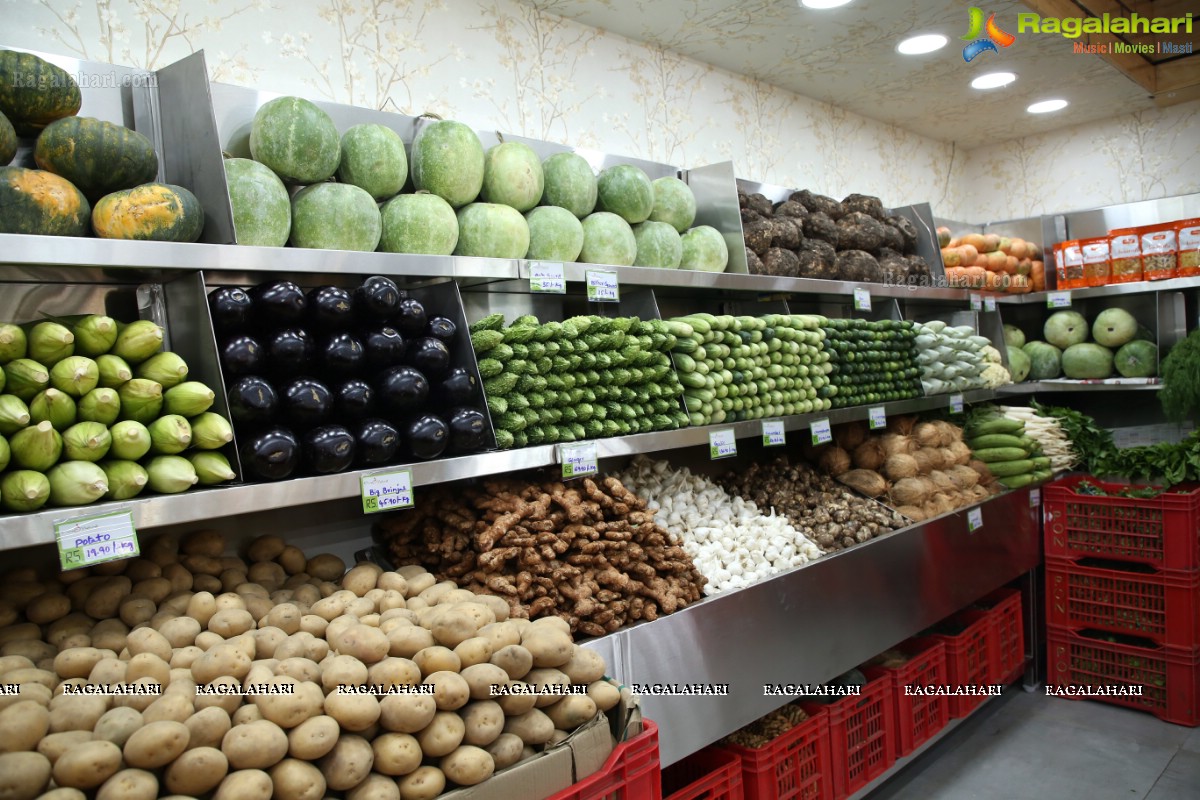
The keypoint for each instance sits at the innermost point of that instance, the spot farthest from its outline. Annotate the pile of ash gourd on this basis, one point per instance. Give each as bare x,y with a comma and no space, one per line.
813,236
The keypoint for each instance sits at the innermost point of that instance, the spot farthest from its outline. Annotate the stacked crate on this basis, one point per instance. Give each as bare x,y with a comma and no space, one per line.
1123,595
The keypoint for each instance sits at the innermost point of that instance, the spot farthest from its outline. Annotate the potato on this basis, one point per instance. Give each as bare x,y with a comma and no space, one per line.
219,696
77,662
63,793
230,622
207,727
554,623
514,659
543,678
203,543
108,670
450,690
109,634
156,589
584,666
362,578
476,650
180,631
105,599
180,578
206,640
171,707
117,725
481,678
255,745
604,694
423,783
185,657
244,715
292,559
296,780
302,669
396,753
21,592
434,594
533,727
437,659
285,617
501,634
22,725
35,692
549,647
196,772
54,745
394,672
365,643
572,711
360,607
348,763
265,548
392,582
139,699
354,711
47,607
20,632
313,738
267,574
266,639
76,712
375,787
289,710
407,642
42,676
328,608
10,663
518,703
342,670
443,734
201,607
88,765
337,627
148,640
65,627
468,765
416,604
326,567
148,665
406,713
156,744
206,583
260,672
506,750
222,660
484,720
23,776
258,607
129,784
389,599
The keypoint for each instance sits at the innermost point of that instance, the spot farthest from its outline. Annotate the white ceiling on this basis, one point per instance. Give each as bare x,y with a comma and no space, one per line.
847,56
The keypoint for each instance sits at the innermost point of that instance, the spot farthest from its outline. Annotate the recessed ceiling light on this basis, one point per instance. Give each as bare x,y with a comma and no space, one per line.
993,80
926,43
823,3
1046,106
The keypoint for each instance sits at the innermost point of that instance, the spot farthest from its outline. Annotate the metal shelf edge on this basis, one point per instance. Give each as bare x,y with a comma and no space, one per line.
1032,387
1112,290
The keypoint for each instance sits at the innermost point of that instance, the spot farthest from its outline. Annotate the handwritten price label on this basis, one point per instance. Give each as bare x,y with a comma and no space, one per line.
722,444
974,519
602,286
989,303
386,491
821,434
877,417
976,302
862,299
578,459
956,403
86,541
772,432
1058,300
546,277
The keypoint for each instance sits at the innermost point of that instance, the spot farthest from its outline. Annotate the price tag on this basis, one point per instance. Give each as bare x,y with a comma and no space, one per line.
974,519
386,491
602,286
862,299
989,303
877,417
1035,497
976,302
578,459
956,404
86,541
546,277
820,431
1058,300
773,435
722,443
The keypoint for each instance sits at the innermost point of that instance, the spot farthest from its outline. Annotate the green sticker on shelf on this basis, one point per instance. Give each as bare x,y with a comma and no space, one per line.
877,417
821,433
722,443
386,491
974,519
862,299
546,277
956,403
578,459
602,286
772,432
1058,300
87,541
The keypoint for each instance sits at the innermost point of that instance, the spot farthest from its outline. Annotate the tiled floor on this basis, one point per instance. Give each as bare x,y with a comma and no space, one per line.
1028,746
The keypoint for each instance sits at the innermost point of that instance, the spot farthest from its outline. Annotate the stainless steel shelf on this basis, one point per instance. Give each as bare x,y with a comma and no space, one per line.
1031,387
1113,290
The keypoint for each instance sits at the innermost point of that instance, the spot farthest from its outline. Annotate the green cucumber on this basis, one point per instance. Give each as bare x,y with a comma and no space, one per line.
684,362
693,380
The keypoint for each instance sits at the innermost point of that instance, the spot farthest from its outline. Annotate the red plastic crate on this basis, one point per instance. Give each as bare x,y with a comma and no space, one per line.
1008,634
968,660
794,766
1163,606
918,717
710,774
632,772
862,737
1170,678
1163,532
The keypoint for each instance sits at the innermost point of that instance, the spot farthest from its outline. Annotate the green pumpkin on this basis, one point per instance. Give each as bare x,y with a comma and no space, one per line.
97,156
35,201
160,212
34,92
8,141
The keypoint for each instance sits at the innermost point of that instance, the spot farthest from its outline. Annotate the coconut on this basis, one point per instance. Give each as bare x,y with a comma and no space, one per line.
962,453
864,481
979,491
928,435
928,459
912,512
900,465
981,469
942,481
902,424
835,461
909,492
942,502
947,433
896,444
949,457
964,477
870,454
851,434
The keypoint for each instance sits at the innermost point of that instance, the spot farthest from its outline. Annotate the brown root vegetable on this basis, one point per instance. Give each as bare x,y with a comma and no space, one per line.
864,204
870,455
835,461
819,203
858,265
899,466
910,492
781,263
818,225
864,481
850,435
754,264
758,235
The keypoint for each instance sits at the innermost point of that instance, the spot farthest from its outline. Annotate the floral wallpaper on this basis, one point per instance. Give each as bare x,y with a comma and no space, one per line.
520,68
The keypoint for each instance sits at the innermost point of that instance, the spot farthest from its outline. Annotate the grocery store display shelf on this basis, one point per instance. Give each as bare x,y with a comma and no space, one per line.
1112,290
1032,387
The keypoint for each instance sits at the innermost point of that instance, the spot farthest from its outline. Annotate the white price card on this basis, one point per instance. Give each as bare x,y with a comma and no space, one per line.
975,519
773,435
546,277
602,286
956,404
722,443
989,303
86,541
862,299
386,491
976,302
1058,300
1035,497
578,459
821,434
877,417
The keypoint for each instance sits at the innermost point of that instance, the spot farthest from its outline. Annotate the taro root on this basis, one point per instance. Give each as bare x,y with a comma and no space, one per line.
824,251
866,204
857,231
760,204
907,230
894,266
819,225
813,265
743,199
918,269
781,263
786,233
750,215
819,202
892,238
856,265
754,264
790,208
758,235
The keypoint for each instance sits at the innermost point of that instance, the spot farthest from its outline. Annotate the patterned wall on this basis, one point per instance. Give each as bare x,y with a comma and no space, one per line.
504,65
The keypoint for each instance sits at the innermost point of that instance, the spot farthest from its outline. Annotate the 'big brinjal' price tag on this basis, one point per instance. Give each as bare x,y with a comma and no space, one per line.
989,303
578,459
974,519
1058,300
956,403
821,434
862,299
722,443
1035,498
87,541
976,302
386,491
773,435
877,417
546,277
602,286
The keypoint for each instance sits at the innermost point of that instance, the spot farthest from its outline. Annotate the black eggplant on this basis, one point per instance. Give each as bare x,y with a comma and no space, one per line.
291,351
330,308
306,402
230,307
468,430
427,436
458,387
441,328
377,297
401,388
429,355
329,448
410,317
252,400
341,355
355,399
377,442
271,455
385,347
278,303
242,355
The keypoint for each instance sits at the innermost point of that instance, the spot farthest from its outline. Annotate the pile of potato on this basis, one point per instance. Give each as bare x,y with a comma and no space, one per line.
295,629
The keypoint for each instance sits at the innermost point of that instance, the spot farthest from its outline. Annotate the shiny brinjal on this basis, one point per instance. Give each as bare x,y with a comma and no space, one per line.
401,389
377,298
231,309
252,400
271,455
377,442
328,449
426,436
278,303
330,308
306,402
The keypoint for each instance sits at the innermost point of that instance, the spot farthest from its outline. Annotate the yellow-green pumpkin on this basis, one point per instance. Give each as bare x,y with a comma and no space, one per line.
160,212
35,201
99,157
34,92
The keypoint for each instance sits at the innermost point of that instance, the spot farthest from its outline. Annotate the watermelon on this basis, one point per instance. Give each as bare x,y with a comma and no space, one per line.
447,160
34,92
512,176
658,245
704,249
626,191
262,208
1087,361
491,230
569,183
674,203
335,216
1137,359
160,212
373,159
419,223
555,234
8,141
97,156
35,201
1018,364
297,140
608,239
